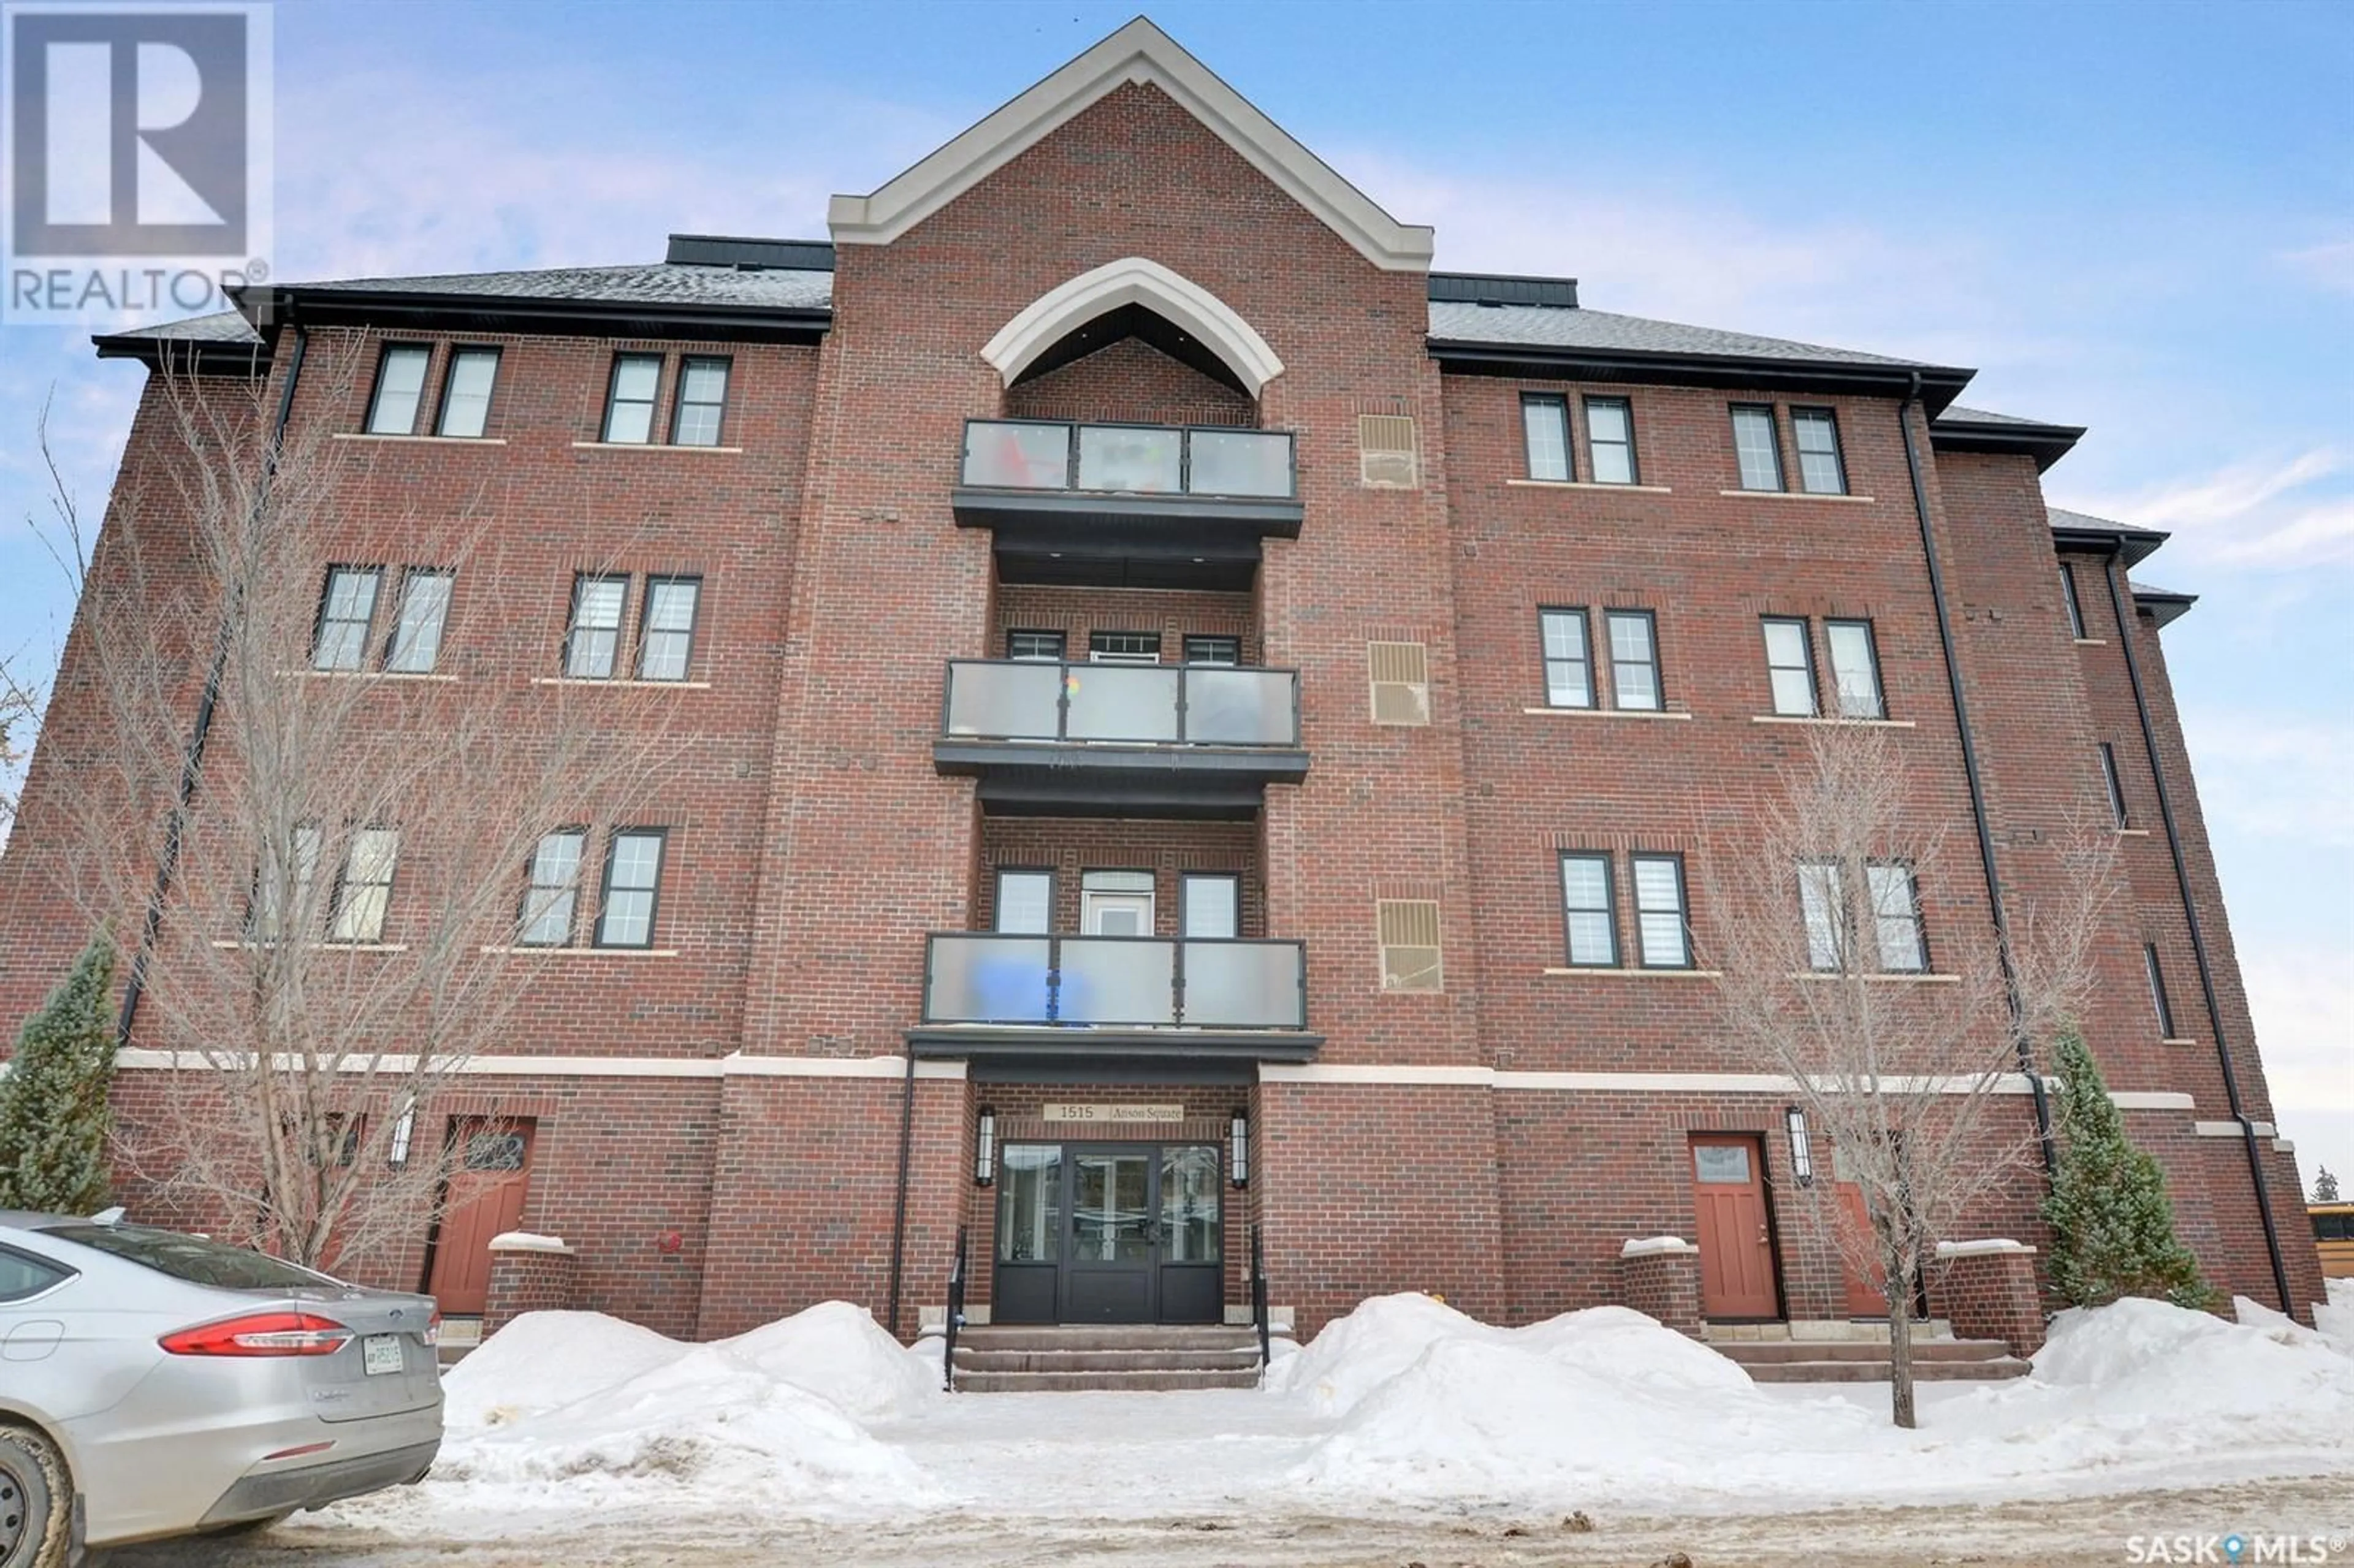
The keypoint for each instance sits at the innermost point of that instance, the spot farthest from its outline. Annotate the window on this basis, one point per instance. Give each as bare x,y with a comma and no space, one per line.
1201,649
399,385
1025,901
1825,914
701,402
22,1277
1820,472
417,632
1116,903
1124,647
2157,991
1855,669
1039,647
666,631
1611,440
595,637
1659,911
466,392
1586,910
1634,659
1209,905
629,403
366,886
1896,919
1569,676
1544,420
1790,665
2070,602
625,917
1755,446
554,893
281,891
2116,789
345,613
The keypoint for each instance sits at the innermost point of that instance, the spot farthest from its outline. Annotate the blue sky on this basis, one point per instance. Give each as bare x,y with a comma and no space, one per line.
2135,218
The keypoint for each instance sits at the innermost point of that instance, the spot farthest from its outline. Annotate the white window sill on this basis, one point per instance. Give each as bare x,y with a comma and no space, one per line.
1822,718
651,686
1796,496
323,946
1638,973
1589,485
1611,713
2131,832
579,952
2092,642
1877,975
423,440
650,447
2171,1040
379,675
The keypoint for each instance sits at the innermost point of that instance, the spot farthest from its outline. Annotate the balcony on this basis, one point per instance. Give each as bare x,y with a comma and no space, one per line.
1058,738
1003,993
1140,505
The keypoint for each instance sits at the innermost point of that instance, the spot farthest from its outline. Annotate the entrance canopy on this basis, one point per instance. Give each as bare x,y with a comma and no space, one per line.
1134,283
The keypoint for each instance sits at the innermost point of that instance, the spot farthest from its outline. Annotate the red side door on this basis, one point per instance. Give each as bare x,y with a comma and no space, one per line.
1865,1295
1737,1251
487,1186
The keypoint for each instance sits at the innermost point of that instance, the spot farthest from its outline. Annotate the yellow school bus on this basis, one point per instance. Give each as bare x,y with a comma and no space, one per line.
2333,1237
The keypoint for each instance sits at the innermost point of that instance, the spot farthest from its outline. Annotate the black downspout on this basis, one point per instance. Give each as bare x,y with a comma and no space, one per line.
2127,626
1977,786
191,761
899,1217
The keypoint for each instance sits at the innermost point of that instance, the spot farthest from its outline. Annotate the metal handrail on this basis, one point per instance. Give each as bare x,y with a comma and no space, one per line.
1052,976
955,1314
1083,668
1259,1298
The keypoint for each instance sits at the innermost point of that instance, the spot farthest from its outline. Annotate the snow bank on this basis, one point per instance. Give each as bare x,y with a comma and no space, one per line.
2335,1317
1606,1405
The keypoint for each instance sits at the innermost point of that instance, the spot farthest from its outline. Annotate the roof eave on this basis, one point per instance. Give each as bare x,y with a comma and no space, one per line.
2131,546
2163,606
267,307
190,357
2047,444
1940,385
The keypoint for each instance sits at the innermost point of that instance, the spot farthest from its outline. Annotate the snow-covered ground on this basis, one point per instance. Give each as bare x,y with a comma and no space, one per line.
1403,1409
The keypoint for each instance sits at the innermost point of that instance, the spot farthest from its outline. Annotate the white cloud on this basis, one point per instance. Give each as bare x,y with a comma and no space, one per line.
2267,513
2330,265
2303,999
2275,775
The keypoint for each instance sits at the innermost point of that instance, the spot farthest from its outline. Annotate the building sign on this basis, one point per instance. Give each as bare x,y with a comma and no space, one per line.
1115,1113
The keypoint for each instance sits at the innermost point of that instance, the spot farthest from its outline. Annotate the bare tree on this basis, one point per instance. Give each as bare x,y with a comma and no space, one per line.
313,800
61,536
1909,1073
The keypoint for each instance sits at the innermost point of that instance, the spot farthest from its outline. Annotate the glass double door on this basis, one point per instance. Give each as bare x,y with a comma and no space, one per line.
1098,1232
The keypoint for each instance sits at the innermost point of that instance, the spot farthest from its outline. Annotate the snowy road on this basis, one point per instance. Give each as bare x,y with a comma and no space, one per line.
2077,1533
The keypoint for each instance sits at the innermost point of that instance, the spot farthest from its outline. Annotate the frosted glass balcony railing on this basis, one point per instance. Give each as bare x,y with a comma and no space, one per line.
1129,459
988,977
1144,705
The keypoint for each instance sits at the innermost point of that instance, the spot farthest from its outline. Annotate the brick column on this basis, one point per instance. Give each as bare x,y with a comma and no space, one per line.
528,1273
1987,1290
1660,1276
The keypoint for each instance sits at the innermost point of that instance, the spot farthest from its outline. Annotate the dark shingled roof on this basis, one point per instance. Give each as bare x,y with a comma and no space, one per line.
655,283
2133,544
1957,415
1543,326
221,326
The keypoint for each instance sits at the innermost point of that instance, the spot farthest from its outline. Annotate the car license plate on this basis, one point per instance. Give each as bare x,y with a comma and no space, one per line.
381,1353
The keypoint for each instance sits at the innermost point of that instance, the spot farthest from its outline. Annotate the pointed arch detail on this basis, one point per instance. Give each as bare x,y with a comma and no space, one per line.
1133,280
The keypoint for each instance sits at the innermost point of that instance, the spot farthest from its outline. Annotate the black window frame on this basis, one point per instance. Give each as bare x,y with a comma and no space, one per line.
1191,640
661,835
1802,414
1634,859
1656,663
997,897
1833,877
572,628
409,575
339,894
1734,411
1559,403
1185,881
450,381
1626,406
1099,635
647,630
612,398
531,885
1608,910
1870,652
1062,640
321,621
1805,666
679,405
2116,785
375,388
1545,660
263,924
2159,998
1917,916
2071,603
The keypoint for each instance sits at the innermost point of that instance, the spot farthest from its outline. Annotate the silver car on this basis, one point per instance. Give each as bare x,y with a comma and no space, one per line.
154,1383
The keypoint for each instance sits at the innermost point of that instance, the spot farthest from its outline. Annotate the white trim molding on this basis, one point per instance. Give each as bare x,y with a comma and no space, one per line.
1138,52
736,1066
2231,1128
1329,1072
2151,1099
1132,280
1991,1246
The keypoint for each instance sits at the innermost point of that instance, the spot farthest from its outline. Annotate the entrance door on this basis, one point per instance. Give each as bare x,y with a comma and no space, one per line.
1737,1251
1866,1295
1110,1279
1090,1233
1115,904
490,1176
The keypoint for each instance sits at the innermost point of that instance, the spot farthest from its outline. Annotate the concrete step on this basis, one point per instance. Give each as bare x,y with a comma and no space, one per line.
969,1359
1125,1382
1992,1370
1107,1337
1924,1350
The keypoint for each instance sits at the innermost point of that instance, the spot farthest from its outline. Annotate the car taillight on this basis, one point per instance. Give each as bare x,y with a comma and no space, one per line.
433,1328
261,1334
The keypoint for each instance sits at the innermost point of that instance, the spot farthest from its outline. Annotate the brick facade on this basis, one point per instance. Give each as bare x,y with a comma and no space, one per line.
731,1148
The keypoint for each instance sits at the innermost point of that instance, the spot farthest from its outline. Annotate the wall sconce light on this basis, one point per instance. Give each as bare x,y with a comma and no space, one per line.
1802,1157
1238,1150
984,1159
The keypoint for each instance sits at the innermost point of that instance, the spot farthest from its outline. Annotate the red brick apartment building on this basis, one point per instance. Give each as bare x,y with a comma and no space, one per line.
1201,725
